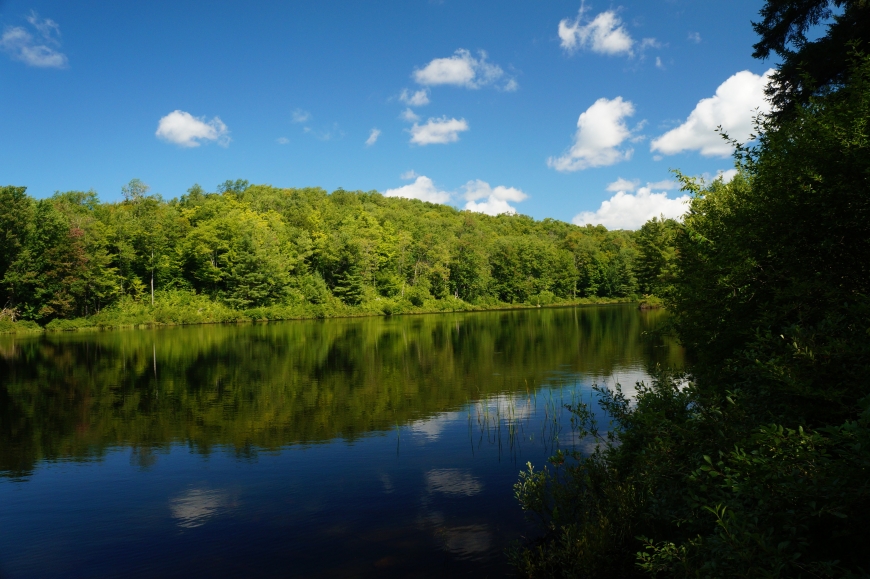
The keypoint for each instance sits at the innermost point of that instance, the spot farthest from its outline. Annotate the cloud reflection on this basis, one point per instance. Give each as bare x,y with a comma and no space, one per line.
467,541
451,481
194,507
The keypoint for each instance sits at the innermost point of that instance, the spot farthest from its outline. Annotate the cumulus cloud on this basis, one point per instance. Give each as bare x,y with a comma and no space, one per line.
186,130
416,99
463,69
438,131
666,185
604,34
495,199
627,185
623,185
479,195
600,132
409,174
409,115
695,37
629,211
726,175
300,116
41,51
733,106
423,189
373,137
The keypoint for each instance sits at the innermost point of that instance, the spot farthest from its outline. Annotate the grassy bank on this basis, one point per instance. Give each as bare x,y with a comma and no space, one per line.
176,307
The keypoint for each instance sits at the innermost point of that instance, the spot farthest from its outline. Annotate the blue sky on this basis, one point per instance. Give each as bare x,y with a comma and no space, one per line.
561,109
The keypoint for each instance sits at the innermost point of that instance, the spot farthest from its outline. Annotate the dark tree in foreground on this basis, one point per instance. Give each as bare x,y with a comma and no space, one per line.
808,65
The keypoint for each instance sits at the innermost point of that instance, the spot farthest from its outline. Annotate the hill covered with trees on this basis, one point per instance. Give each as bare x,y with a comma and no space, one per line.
261,252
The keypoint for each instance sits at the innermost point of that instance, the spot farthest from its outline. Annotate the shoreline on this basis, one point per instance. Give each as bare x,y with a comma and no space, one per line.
93,323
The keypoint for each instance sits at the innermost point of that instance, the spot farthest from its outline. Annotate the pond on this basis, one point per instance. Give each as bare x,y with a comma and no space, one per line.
369,447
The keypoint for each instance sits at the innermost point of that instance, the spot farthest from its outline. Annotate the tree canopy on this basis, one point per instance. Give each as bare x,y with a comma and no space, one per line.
809,64
257,247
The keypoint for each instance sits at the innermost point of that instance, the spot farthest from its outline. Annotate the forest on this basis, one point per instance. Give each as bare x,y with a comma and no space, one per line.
254,252
757,463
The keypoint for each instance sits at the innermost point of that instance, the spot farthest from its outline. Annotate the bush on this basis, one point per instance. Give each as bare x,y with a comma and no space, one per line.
59,325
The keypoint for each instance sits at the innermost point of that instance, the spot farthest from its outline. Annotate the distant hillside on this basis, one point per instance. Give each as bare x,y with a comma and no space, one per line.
249,247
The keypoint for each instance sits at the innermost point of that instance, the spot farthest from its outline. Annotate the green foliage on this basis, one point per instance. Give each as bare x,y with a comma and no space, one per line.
809,66
293,252
757,466
656,254
773,271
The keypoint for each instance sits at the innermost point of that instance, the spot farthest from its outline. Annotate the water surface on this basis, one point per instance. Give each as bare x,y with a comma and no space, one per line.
337,448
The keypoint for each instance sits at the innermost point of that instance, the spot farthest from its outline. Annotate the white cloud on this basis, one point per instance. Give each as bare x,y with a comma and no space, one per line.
409,115
462,69
186,130
423,189
627,211
416,99
600,131
373,137
300,116
495,198
21,45
695,37
627,185
282,140
438,131
479,195
659,63
623,185
409,174
492,206
666,185
604,34
726,175
733,106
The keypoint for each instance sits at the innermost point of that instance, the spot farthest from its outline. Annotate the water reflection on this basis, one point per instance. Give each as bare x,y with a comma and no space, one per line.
342,448
451,481
268,386
467,541
195,507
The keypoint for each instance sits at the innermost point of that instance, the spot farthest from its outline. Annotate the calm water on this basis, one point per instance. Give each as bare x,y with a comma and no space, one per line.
339,448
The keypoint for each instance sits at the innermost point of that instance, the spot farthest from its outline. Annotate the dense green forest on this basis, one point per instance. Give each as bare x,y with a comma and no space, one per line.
260,252
757,464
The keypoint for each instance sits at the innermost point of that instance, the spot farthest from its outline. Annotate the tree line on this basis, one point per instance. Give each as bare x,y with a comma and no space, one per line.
245,248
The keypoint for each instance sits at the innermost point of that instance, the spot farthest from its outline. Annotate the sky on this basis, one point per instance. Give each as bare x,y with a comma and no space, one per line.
571,110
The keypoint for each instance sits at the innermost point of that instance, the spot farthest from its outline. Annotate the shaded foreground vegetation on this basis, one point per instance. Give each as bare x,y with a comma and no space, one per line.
256,252
758,463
